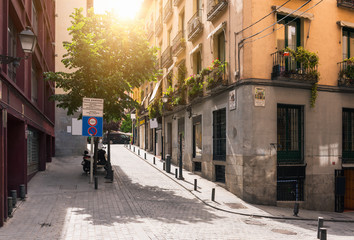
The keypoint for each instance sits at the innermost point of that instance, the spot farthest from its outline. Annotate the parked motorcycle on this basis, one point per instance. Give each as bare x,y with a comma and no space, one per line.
86,163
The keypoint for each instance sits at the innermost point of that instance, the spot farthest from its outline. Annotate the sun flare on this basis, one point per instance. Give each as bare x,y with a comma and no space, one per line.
125,9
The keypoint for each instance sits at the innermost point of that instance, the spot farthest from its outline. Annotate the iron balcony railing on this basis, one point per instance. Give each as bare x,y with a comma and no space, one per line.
346,3
195,25
158,26
166,59
346,74
167,11
178,43
215,7
285,66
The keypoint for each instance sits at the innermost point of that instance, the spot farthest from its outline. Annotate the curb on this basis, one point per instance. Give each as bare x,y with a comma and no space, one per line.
229,211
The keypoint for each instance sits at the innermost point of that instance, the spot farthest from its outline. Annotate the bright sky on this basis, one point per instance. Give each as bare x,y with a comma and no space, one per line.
126,9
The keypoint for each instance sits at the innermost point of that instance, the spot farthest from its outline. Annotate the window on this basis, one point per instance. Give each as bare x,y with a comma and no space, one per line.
12,45
289,134
32,151
348,136
197,166
198,62
289,35
219,134
221,46
34,83
197,136
219,173
348,43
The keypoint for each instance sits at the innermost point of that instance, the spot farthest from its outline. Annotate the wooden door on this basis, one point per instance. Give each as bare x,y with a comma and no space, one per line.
349,189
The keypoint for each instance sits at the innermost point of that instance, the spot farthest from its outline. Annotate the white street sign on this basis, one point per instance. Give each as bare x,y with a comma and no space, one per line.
92,107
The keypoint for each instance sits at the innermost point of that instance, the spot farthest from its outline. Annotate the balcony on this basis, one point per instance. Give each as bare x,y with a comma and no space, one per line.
150,30
195,25
346,73
167,11
285,67
166,59
215,8
346,3
158,26
178,44
177,2
216,79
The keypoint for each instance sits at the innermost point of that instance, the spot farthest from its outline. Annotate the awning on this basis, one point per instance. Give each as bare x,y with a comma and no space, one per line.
287,11
197,48
345,24
217,29
155,91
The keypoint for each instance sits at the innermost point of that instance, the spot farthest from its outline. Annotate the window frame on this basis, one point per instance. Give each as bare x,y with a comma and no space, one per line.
219,134
348,128
197,121
350,32
289,156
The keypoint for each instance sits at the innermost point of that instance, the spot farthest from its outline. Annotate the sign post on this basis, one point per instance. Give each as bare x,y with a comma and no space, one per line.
92,123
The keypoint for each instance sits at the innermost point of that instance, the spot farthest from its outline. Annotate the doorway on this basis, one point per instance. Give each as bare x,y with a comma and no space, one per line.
349,189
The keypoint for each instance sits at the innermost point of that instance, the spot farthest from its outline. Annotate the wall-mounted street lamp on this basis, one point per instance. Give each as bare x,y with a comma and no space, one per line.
164,101
28,42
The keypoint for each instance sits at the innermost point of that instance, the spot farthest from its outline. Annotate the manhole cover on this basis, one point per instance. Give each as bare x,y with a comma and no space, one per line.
68,187
283,231
236,205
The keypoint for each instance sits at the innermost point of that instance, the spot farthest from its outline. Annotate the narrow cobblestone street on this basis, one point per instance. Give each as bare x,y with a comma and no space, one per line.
144,202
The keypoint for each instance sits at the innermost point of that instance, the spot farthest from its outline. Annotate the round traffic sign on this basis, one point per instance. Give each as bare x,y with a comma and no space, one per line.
92,121
92,131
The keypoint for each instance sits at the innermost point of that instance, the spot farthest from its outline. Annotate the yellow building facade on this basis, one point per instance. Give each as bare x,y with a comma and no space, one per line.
260,96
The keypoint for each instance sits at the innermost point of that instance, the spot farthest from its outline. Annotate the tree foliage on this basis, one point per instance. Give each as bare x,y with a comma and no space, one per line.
108,57
126,124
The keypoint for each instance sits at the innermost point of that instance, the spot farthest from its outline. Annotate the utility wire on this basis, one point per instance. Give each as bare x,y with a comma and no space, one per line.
262,18
275,22
283,24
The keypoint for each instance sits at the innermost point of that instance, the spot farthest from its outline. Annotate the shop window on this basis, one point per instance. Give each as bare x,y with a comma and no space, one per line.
219,173
197,166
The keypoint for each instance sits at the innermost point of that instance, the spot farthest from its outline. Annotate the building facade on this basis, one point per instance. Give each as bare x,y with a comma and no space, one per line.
66,144
27,116
261,96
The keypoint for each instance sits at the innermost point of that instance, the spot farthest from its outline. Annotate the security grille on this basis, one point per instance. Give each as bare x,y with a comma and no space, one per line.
219,134
348,136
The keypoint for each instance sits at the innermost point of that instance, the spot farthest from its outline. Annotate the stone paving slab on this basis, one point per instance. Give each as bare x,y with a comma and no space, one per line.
143,202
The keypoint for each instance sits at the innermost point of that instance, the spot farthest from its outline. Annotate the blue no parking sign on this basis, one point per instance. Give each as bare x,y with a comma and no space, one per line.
92,126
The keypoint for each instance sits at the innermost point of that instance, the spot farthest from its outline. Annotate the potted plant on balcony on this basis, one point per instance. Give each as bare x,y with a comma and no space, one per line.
347,73
216,75
195,86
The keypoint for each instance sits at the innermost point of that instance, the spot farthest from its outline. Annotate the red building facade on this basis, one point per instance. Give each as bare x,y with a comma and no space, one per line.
26,115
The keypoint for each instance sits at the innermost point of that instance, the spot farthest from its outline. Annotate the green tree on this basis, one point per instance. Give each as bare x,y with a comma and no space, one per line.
126,124
107,57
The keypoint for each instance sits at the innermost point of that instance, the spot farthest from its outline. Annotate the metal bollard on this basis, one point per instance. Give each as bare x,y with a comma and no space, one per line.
213,194
296,209
176,173
22,191
144,155
153,160
134,149
168,163
164,166
14,197
96,182
139,152
323,235
195,185
9,206
319,226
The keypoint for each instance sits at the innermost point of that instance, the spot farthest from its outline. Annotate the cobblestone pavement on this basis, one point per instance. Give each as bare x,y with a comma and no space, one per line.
145,202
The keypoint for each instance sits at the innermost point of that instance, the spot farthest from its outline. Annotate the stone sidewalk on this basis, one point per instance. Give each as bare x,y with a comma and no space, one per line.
226,201
145,202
